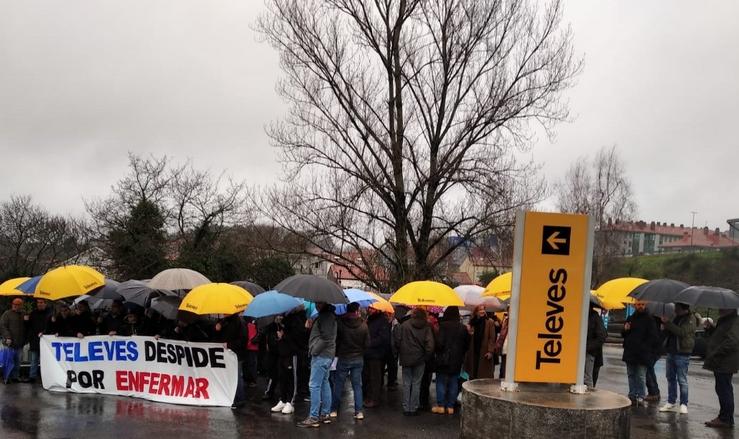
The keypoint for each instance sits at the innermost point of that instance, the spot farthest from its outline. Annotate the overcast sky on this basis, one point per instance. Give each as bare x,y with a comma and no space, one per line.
82,82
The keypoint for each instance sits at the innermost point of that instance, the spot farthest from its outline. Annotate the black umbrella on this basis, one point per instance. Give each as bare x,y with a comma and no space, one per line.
135,291
107,291
660,290
167,306
251,287
312,288
709,297
661,309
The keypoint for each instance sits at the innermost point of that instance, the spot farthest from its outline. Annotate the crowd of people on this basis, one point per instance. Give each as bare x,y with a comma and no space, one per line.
309,357
646,338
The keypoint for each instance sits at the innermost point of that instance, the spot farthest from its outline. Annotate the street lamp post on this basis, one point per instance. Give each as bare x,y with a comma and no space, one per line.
692,229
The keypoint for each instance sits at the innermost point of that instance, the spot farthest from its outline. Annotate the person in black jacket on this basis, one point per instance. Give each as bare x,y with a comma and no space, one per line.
84,321
37,324
352,339
595,339
376,353
452,343
288,334
62,324
641,343
232,331
112,322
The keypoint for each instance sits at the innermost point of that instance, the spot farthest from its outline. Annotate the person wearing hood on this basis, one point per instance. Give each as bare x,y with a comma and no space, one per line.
352,339
595,338
722,358
322,349
376,353
452,343
414,343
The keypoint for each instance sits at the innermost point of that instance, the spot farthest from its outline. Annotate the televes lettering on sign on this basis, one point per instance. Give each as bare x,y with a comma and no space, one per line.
554,323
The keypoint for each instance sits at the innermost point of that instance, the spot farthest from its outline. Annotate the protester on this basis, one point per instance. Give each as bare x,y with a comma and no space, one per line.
479,361
641,339
288,334
37,323
13,333
595,339
62,324
722,358
414,343
252,353
322,348
232,331
84,321
430,367
352,339
130,325
679,343
376,353
452,343
112,322
653,392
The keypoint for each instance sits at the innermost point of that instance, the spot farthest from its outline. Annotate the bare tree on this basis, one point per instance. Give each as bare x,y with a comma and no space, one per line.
33,241
405,118
600,188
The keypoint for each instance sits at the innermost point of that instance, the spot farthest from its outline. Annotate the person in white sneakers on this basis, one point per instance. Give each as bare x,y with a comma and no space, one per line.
288,333
679,341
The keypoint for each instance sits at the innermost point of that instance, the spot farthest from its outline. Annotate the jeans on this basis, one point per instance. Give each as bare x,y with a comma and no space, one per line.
34,357
676,367
637,376
412,376
725,393
651,381
447,386
589,366
351,367
320,391
423,397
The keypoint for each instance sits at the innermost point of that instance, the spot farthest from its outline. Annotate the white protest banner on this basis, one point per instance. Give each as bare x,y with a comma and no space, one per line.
177,372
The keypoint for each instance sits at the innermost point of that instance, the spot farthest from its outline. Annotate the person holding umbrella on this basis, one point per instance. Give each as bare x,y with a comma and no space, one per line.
679,341
232,331
322,349
641,339
722,357
37,323
413,340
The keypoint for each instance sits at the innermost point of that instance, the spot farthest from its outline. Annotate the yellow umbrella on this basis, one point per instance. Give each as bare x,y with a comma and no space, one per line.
616,291
216,298
381,304
68,281
500,287
8,288
426,293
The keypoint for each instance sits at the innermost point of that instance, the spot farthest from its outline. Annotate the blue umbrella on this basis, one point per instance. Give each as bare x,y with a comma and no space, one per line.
29,286
271,303
362,297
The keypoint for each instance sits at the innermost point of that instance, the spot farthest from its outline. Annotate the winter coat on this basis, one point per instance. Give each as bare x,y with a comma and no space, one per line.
128,329
379,332
13,326
233,333
112,323
322,342
37,322
596,334
680,334
722,350
414,341
642,340
484,366
452,343
63,327
84,324
292,328
352,337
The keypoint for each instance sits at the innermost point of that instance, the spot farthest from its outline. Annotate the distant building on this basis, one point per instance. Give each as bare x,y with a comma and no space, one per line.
478,261
635,238
733,232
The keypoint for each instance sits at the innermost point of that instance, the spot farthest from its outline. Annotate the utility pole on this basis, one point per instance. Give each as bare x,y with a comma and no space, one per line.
692,227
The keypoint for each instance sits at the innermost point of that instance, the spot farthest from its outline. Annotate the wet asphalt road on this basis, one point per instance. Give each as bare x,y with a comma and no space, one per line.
28,411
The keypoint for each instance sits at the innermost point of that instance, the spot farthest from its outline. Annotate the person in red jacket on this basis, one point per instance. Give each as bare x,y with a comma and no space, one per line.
252,353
